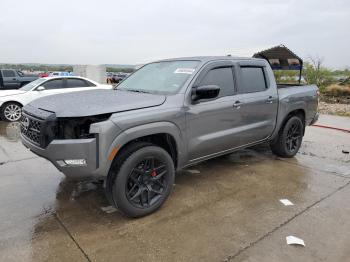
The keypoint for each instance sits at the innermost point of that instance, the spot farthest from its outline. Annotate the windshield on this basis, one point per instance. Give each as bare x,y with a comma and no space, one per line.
33,84
161,77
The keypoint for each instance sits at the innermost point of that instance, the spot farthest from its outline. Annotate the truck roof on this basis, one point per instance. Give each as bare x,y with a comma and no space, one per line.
212,58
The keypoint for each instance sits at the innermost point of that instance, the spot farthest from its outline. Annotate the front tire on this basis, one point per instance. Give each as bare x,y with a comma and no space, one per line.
11,112
141,179
289,139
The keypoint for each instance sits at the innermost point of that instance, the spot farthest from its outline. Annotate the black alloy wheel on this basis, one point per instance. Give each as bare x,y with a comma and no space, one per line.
294,137
146,183
140,179
289,138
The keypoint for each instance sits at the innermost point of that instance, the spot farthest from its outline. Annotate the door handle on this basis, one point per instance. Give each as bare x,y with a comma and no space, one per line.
237,104
269,100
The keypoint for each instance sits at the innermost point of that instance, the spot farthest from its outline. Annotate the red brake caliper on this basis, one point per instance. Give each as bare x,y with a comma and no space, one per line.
154,173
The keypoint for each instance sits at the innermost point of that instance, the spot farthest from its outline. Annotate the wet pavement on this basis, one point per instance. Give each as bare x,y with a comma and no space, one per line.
226,209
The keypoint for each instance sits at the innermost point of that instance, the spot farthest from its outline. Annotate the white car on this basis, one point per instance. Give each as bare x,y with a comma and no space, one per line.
12,101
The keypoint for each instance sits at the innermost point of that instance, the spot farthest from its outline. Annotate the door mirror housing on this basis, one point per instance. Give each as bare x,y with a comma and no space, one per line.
205,92
40,88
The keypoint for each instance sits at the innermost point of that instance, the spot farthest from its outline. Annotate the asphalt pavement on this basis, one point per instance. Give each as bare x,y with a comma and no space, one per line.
225,209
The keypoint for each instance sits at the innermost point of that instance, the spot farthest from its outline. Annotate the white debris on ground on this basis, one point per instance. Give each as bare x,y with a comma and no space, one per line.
286,202
193,171
292,240
109,209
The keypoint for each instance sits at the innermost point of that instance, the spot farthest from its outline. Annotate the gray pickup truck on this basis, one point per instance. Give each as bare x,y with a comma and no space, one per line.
166,116
13,79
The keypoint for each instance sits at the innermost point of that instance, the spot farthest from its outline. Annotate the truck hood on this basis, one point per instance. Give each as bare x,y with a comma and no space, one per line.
95,102
11,92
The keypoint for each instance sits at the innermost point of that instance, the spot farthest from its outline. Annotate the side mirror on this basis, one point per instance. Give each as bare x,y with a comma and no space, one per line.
205,92
40,88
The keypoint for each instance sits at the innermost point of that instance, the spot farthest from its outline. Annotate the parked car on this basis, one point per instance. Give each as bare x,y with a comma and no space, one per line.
43,74
166,116
117,78
13,79
59,73
12,101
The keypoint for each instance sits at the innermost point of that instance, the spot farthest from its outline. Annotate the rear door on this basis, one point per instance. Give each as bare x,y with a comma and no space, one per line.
256,102
10,79
78,84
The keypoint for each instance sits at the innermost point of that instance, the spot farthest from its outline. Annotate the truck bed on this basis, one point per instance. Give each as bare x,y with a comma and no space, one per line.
291,96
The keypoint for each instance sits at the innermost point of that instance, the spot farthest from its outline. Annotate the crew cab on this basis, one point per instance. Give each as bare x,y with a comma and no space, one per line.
12,101
13,79
166,116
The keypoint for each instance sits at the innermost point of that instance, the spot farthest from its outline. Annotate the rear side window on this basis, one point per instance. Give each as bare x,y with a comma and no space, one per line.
221,77
8,73
53,84
75,82
253,80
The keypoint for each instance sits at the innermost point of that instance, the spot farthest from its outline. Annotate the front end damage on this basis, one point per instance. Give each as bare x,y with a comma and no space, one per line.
67,143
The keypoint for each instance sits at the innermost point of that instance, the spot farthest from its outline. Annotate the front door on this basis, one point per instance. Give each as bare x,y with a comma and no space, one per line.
51,87
10,79
211,123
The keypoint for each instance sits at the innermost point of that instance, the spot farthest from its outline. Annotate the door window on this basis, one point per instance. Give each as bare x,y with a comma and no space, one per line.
53,84
76,82
253,80
8,73
221,77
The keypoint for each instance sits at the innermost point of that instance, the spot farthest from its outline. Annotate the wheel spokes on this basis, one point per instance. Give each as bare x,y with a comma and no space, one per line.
159,176
138,193
13,112
146,182
293,137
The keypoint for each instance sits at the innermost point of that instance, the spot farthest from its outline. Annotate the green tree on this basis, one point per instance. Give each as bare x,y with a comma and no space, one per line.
315,73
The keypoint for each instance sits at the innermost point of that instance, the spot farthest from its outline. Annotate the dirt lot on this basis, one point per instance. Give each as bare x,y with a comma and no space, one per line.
334,109
223,209
334,105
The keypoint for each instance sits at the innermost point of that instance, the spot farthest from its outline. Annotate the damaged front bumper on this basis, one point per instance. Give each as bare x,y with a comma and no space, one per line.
76,158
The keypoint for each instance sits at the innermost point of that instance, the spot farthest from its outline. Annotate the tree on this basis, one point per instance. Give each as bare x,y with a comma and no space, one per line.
315,73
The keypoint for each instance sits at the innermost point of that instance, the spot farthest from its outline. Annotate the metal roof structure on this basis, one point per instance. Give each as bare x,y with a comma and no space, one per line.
281,57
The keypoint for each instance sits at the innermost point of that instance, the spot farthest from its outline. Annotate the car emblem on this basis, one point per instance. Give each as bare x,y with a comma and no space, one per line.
25,122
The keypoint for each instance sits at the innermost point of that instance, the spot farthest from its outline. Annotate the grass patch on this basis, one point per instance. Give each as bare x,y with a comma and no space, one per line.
337,90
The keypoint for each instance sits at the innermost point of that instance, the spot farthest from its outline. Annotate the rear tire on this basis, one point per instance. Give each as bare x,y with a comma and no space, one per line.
289,139
140,179
11,112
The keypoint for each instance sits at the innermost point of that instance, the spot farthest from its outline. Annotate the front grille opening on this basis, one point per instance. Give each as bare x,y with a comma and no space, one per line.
31,129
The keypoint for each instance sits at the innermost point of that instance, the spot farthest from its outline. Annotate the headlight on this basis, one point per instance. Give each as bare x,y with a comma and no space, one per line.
78,128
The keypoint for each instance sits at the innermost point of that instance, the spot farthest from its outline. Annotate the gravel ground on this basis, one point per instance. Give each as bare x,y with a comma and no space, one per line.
334,109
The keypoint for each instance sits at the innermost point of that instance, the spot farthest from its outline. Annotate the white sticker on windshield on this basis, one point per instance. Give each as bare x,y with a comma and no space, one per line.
184,71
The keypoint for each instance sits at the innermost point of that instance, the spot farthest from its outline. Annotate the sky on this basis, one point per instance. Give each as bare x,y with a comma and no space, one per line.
139,31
